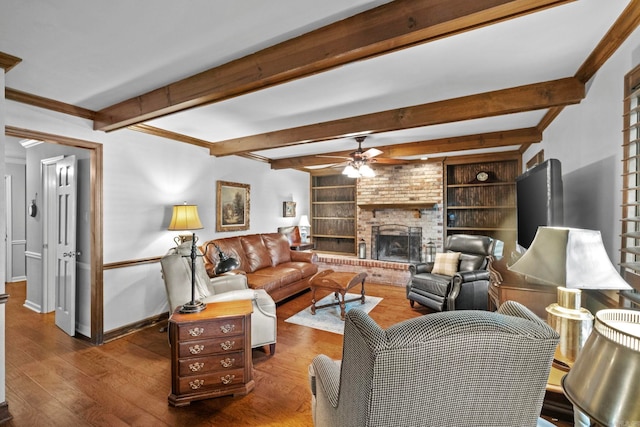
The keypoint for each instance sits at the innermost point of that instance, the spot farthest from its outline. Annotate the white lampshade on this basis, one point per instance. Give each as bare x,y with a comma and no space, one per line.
570,257
366,171
304,221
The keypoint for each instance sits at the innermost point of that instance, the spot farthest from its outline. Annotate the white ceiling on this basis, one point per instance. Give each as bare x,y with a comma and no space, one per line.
95,54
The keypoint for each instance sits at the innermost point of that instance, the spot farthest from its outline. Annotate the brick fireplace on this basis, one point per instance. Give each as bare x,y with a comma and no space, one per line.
403,195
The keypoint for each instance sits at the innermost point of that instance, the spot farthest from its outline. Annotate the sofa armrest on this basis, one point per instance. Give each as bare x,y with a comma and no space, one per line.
226,283
240,294
299,256
471,276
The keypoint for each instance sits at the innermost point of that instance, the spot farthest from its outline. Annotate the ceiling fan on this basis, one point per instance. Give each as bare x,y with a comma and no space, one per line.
359,161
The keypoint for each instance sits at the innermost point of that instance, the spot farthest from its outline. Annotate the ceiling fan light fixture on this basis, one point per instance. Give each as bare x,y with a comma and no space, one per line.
349,169
366,171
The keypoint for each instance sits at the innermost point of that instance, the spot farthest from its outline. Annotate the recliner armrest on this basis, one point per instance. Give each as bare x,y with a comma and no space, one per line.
471,276
423,267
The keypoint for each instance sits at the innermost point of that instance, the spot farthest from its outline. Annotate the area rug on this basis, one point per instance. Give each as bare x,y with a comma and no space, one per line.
328,318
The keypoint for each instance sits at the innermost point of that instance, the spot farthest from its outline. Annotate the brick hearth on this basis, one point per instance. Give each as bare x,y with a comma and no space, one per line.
382,272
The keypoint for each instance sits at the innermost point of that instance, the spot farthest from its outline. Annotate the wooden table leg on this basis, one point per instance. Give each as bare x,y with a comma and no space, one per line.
313,300
362,293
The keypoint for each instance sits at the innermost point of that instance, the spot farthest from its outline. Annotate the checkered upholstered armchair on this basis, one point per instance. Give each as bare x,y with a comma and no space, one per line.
176,271
460,368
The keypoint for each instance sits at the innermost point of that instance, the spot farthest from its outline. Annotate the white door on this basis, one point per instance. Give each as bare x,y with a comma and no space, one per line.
65,278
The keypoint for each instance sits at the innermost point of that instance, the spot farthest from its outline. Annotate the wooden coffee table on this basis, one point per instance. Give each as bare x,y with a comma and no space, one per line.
339,283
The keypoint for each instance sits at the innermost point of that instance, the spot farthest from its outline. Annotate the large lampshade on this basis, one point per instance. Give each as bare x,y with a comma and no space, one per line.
604,382
185,217
570,257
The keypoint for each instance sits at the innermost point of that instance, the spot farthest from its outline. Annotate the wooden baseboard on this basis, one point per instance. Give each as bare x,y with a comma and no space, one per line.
4,413
129,329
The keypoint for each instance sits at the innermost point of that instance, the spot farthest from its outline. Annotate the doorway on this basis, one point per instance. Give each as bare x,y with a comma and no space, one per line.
95,218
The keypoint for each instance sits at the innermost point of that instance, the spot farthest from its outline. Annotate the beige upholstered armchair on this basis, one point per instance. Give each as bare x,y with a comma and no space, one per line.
460,368
176,271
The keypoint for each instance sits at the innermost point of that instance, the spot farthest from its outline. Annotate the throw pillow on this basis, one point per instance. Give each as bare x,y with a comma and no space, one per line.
446,263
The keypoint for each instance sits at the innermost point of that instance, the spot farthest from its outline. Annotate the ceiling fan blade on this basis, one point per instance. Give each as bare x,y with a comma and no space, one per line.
371,152
333,157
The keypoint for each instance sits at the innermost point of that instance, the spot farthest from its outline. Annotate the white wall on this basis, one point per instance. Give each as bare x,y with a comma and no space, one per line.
587,139
143,177
3,258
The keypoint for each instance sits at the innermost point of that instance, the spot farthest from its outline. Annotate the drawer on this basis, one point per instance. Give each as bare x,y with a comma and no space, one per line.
208,382
211,329
214,363
212,346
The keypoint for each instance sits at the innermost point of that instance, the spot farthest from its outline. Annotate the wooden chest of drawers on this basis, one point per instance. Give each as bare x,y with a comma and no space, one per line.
211,352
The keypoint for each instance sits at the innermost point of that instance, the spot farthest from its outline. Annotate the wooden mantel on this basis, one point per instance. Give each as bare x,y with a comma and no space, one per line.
419,207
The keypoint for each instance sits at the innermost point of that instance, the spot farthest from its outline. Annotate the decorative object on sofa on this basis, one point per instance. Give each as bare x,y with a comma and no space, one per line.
232,206
362,249
225,263
267,261
305,228
176,272
572,259
185,217
289,209
603,382
466,288
382,370
430,252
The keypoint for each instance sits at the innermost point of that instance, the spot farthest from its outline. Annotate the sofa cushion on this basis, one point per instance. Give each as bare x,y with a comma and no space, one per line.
471,262
256,252
259,281
278,247
285,275
306,269
446,263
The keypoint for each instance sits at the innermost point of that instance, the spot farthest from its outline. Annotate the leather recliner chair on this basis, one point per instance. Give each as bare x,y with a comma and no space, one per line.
176,272
467,289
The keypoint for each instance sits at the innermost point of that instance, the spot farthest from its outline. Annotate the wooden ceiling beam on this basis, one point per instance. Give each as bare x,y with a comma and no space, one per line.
429,147
387,28
505,101
626,23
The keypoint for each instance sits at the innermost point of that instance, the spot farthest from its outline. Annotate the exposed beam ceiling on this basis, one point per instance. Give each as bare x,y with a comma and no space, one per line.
381,30
299,79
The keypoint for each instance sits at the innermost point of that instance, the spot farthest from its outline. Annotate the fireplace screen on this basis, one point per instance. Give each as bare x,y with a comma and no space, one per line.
396,243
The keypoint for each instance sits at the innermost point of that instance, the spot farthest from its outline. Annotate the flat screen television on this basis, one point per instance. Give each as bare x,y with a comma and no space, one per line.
539,200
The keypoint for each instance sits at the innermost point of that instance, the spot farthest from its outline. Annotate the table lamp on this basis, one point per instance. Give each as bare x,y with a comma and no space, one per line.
185,217
304,226
572,259
604,382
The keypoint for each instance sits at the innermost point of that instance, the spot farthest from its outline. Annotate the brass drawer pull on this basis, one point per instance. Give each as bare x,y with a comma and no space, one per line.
195,367
227,379
196,384
196,349
228,362
227,345
227,328
196,332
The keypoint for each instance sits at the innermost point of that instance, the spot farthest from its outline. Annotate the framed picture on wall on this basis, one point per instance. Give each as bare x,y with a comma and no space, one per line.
289,209
232,206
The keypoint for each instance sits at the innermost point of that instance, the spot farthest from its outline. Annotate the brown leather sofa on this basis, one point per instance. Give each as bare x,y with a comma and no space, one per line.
268,262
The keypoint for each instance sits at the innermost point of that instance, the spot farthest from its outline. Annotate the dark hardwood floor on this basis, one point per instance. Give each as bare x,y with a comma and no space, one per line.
56,380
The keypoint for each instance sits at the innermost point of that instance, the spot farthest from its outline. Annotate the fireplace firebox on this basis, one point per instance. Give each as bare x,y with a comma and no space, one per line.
396,243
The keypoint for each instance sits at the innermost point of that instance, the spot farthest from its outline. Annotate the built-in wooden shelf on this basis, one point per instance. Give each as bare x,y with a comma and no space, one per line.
419,207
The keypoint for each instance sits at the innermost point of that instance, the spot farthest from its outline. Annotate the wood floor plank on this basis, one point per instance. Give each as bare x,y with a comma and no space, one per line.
56,380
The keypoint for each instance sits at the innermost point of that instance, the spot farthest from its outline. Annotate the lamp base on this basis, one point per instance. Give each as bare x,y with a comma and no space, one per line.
192,307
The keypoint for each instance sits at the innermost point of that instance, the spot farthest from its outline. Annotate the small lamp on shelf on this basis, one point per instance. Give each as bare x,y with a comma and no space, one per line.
185,217
304,226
